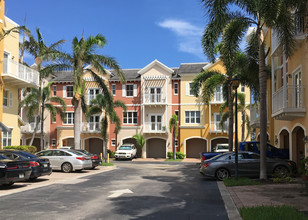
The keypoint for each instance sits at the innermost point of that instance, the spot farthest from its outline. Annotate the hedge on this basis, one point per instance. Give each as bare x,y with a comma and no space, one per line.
26,148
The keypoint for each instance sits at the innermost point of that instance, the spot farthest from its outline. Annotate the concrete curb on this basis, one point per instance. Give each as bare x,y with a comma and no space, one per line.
230,207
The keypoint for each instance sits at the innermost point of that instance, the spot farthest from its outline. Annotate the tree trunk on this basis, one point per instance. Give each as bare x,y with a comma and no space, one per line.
173,144
34,132
77,123
42,126
230,128
243,125
105,150
263,112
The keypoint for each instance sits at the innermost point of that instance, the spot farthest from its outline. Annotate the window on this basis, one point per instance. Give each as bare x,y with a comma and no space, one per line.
54,90
69,118
7,138
45,153
218,94
130,90
242,88
53,142
191,92
92,93
192,117
53,118
113,142
113,89
5,98
176,142
69,91
176,112
176,88
129,117
11,99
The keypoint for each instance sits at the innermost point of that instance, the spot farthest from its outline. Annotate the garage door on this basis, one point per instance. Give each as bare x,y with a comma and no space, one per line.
156,148
194,147
96,146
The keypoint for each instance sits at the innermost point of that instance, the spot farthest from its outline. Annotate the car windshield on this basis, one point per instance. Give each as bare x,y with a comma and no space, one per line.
25,154
223,147
125,148
75,152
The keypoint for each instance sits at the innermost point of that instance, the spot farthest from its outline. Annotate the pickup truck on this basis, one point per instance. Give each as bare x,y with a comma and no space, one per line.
253,146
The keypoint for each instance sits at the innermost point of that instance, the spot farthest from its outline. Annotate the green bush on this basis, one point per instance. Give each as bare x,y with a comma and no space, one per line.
178,155
111,153
303,167
26,148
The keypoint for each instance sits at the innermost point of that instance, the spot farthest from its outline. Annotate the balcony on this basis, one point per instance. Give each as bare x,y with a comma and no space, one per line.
154,99
29,128
90,127
288,102
255,116
154,127
215,127
19,75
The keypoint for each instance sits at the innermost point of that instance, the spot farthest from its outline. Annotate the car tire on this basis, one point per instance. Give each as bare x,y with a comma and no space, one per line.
222,173
7,184
67,167
93,167
281,172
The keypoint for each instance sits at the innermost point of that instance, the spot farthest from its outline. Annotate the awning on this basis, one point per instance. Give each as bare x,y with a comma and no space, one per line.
4,128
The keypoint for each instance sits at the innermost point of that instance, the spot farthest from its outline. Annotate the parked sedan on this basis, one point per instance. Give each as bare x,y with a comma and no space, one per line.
66,160
39,166
12,171
96,160
223,166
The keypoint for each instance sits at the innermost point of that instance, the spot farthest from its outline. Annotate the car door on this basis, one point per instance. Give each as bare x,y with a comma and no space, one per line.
59,158
252,164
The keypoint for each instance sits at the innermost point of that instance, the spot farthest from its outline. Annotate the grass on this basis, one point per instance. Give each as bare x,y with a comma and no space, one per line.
283,212
242,181
176,160
107,164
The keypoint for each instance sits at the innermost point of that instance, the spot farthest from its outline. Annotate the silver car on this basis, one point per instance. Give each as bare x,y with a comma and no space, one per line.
223,166
66,160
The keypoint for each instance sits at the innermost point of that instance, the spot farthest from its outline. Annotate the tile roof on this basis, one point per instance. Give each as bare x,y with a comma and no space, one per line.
64,76
191,68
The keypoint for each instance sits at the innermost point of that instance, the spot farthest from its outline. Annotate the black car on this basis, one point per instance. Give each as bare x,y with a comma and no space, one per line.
95,159
12,171
40,166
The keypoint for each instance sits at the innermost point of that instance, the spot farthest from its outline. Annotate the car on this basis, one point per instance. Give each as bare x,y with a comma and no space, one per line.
96,160
66,160
12,171
39,166
223,166
126,151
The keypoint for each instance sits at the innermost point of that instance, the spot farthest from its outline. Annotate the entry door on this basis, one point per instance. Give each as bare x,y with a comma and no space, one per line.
94,123
5,62
156,122
297,89
155,94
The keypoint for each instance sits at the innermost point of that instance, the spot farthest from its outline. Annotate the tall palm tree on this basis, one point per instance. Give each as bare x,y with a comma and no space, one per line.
104,104
33,102
43,54
85,59
140,141
239,16
173,128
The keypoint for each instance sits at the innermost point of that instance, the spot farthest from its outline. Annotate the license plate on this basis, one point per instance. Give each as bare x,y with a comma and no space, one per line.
21,175
45,165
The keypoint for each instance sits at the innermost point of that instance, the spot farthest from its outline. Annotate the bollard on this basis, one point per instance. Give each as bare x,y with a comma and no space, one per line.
101,154
107,157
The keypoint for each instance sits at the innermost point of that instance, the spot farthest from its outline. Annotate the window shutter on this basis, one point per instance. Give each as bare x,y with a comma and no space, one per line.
187,88
11,99
64,91
135,90
123,90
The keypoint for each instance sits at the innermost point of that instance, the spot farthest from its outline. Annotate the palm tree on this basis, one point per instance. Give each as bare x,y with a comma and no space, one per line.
238,16
33,102
173,128
105,105
140,141
43,54
85,59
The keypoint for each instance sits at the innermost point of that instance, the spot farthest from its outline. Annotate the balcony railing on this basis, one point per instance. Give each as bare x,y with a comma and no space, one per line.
30,127
91,127
216,127
154,127
154,99
18,74
254,116
288,102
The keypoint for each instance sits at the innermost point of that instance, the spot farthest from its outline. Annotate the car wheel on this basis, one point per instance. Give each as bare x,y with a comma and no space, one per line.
222,173
7,184
67,167
93,167
281,172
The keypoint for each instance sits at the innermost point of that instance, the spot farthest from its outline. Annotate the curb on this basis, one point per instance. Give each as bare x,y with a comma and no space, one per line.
230,207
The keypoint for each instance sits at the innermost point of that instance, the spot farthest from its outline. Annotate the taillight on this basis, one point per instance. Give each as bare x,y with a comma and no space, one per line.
81,158
11,168
34,164
94,157
203,158
206,165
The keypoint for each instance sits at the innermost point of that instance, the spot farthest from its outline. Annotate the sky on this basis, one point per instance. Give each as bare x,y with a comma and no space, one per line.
137,31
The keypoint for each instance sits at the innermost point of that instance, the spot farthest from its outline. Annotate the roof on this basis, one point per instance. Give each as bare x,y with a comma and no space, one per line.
64,76
191,68
130,74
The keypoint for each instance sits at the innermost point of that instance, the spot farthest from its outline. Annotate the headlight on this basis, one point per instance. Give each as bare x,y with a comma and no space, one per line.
2,166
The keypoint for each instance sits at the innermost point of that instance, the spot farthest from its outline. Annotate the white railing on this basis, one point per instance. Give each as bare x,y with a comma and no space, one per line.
20,71
30,127
154,99
90,127
154,127
290,97
216,127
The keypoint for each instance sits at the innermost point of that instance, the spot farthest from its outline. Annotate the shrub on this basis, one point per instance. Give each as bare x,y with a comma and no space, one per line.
303,167
111,153
178,155
26,148
170,155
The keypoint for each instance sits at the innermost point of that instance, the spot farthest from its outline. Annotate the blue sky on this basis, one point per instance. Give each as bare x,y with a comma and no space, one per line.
137,31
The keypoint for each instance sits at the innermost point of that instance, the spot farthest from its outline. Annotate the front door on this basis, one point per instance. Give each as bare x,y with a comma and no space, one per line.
156,122
5,62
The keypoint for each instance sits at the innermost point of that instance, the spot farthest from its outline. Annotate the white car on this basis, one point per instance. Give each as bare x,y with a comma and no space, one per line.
126,151
221,148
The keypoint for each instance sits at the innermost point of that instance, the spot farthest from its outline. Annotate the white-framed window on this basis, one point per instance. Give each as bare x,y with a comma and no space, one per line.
92,93
69,118
189,89
6,138
217,125
192,117
130,117
218,96
129,90
54,90
113,89
5,98
53,142
11,99
176,142
176,88
68,91
176,112
113,142
242,88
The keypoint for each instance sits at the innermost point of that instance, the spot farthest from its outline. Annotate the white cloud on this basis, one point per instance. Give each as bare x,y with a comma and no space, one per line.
188,35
